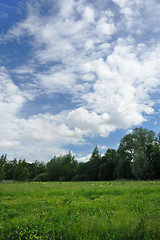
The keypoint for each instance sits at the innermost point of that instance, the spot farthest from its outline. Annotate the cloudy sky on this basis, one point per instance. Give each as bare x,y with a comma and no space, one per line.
75,74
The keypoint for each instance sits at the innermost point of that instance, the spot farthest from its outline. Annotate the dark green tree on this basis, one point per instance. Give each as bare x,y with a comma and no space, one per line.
81,171
3,160
10,169
144,157
108,165
21,172
146,163
93,165
134,155
62,168
155,160
125,154
36,168
54,168
141,167
70,166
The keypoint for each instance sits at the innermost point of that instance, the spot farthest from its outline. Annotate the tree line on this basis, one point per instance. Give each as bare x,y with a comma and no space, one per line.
137,157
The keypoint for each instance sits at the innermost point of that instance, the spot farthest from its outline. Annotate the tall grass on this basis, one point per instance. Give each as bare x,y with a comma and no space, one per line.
119,210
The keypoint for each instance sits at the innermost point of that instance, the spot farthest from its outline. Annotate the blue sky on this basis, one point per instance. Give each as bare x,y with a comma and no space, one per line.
75,74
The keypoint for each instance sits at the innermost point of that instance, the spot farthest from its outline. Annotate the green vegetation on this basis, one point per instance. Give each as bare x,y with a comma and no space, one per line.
80,210
138,157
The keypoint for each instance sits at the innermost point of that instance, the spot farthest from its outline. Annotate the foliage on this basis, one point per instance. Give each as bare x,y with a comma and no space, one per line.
124,157
2,166
10,168
108,165
21,172
42,177
62,168
137,157
92,167
36,168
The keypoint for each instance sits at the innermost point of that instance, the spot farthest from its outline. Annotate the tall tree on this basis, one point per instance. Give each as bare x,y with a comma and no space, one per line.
134,154
93,165
108,164
3,159
125,154
62,168
36,168
155,159
10,169
21,172
143,167
70,166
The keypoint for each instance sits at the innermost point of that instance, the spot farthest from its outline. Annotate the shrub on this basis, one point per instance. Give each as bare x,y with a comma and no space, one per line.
42,177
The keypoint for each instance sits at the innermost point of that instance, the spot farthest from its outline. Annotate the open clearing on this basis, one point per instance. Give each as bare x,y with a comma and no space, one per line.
118,210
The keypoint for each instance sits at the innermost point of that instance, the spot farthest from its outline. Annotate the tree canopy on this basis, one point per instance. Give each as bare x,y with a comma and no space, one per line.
137,157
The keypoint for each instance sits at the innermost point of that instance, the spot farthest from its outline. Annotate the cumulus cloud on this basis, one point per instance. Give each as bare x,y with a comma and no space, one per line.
37,134
90,122
11,101
80,50
138,15
84,159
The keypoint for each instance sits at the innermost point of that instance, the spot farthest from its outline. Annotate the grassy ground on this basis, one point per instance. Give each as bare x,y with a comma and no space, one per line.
119,210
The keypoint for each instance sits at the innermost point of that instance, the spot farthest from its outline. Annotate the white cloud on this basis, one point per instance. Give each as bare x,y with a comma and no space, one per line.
76,51
11,101
102,147
124,83
88,15
105,28
11,98
44,132
90,122
61,81
138,15
84,159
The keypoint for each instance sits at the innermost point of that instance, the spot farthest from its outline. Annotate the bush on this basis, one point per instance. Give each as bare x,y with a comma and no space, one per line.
42,177
79,177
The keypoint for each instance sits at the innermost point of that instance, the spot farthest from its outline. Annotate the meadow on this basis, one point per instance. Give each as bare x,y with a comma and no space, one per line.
117,210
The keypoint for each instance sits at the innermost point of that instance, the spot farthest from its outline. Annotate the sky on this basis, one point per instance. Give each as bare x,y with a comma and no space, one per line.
75,74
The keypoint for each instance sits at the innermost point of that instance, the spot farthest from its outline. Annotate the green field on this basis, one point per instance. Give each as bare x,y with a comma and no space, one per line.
80,210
